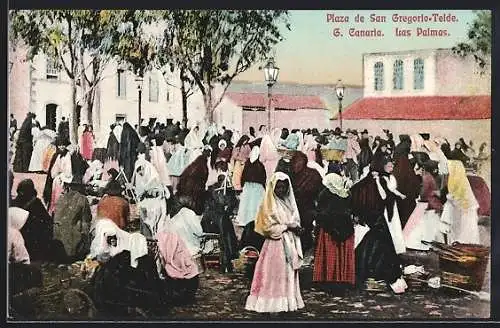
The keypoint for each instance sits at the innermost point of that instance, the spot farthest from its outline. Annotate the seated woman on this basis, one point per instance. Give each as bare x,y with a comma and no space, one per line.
127,275
275,284
38,230
22,275
113,205
220,204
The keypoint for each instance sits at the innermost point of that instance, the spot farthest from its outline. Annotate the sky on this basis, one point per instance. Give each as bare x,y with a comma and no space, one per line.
310,54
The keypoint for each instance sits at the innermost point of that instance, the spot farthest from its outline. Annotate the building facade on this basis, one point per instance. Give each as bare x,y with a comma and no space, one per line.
423,91
428,72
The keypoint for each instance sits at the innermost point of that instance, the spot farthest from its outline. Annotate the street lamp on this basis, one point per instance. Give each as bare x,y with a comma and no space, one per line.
339,89
271,75
139,80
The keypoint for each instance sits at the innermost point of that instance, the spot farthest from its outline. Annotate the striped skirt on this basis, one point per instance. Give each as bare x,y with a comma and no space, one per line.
334,261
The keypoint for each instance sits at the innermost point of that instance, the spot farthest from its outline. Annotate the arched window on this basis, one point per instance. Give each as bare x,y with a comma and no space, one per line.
379,76
418,73
397,78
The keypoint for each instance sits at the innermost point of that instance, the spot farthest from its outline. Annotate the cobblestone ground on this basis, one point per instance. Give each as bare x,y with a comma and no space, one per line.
223,296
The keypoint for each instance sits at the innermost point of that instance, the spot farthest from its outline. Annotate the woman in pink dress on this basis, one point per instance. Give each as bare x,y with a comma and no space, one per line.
87,143
275,284
240,154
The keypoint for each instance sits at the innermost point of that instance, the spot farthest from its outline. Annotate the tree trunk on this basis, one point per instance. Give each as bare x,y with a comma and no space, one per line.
184,100
74,123
83,85
209,111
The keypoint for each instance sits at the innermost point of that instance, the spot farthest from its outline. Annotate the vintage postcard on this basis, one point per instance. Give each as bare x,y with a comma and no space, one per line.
249,165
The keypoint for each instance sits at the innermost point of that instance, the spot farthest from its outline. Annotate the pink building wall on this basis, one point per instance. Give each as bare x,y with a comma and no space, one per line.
299,119
19,86
460,76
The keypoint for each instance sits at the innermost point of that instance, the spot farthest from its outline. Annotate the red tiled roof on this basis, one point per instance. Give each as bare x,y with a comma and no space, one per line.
279,101
420,108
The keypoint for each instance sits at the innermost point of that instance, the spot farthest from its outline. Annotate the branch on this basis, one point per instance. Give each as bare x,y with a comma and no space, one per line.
217,103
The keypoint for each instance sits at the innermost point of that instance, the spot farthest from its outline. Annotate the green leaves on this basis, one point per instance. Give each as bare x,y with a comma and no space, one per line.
479,34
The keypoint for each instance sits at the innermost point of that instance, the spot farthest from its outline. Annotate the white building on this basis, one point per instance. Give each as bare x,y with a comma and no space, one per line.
423,91
41,87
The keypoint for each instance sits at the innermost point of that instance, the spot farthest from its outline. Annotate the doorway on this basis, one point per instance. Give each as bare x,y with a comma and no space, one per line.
50,116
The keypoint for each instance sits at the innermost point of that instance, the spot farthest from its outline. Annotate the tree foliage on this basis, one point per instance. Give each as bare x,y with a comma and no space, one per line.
215,46
83,42
479,43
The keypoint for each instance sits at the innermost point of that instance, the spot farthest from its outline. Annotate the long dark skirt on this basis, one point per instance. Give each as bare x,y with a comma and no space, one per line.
118,286
22,157
376,257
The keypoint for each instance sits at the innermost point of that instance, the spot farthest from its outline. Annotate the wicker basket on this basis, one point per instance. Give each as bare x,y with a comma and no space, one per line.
332,154
414,285
464,266
246,262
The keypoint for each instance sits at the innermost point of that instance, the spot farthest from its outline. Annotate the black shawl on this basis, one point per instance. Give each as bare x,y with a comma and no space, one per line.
253,172
334,216
128,149
113,147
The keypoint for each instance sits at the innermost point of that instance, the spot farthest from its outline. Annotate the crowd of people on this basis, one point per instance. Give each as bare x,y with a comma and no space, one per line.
347,203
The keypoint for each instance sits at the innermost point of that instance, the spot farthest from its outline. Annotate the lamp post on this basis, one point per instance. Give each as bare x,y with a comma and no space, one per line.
138,80
339,89
271,76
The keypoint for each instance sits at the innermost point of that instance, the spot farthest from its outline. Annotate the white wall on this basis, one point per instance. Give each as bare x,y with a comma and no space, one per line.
388,60
111,104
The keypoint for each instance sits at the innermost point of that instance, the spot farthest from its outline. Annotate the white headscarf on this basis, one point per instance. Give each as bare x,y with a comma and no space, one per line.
222,142
336,184
194,139
135,243
18,217
254,154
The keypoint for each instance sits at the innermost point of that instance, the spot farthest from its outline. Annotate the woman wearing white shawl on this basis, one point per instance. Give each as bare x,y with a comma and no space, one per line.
310,146
459,218
42,139
269,156
417,143
109,240
186,224
152,195
275,284
16,249
160,163
194,143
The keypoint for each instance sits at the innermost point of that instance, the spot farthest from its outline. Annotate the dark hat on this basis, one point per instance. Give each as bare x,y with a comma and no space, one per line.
325,131
365,131
113,172
430,165
337,131
425,136
355,132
